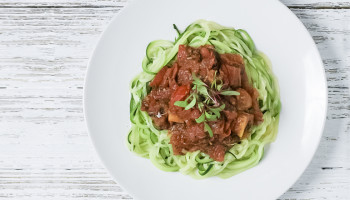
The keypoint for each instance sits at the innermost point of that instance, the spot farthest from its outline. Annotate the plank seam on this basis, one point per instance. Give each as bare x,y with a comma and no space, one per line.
59,7
313,7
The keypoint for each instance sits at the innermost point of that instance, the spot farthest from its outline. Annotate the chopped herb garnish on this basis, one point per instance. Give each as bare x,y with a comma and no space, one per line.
213,84
193,102
207,100
200,106
218,87
208,129
181,103
229,93
210,117
177,30
197,81
200,119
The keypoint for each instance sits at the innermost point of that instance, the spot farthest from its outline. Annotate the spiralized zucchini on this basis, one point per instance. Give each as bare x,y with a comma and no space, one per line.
149,142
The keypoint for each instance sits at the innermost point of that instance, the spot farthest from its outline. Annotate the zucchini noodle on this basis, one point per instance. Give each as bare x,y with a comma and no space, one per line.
149,142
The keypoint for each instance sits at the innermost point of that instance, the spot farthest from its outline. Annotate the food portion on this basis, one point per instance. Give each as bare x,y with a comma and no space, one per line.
204,100
205,104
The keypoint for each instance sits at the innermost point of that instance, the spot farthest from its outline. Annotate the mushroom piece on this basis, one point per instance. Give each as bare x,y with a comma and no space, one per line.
174,118
242,121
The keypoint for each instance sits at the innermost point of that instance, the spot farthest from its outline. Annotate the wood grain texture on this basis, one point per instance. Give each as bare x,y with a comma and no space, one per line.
62,3
304,4
317,4
45,152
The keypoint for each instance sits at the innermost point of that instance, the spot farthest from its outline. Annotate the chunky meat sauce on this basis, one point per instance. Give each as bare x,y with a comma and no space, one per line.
174,83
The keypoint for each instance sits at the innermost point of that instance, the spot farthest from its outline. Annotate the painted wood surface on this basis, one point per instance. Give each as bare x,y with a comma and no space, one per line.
45,152
317,4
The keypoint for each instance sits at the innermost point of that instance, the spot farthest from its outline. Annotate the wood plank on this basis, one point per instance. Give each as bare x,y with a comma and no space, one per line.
317,4
61,3
313,4
45,152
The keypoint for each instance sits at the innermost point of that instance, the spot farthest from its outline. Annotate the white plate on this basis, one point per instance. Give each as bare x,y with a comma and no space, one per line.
276,31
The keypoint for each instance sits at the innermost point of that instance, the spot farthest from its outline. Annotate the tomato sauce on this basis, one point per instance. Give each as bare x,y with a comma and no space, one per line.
175,83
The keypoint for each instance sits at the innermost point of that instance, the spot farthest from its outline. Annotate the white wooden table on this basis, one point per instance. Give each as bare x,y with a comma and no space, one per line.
45,152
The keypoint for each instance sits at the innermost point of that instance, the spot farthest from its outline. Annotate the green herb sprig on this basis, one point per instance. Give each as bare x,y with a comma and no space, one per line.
207,98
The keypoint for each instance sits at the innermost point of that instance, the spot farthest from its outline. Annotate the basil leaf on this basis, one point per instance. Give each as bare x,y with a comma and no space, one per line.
200,106
216,112
218,109
210,117
200,119
218,87
180,103
229,93
191,104
207,128
188,98
197,81
202,90
222,107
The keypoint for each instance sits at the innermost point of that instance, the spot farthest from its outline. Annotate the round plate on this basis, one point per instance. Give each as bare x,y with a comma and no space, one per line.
276,31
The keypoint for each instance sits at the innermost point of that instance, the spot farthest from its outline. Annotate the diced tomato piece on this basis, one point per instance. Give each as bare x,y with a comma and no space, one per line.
159,77
179,94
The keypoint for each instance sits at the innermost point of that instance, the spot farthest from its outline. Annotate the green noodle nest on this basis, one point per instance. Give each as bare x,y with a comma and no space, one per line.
149,142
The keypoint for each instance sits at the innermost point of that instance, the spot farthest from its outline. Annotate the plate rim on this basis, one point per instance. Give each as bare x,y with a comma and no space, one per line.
108,27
